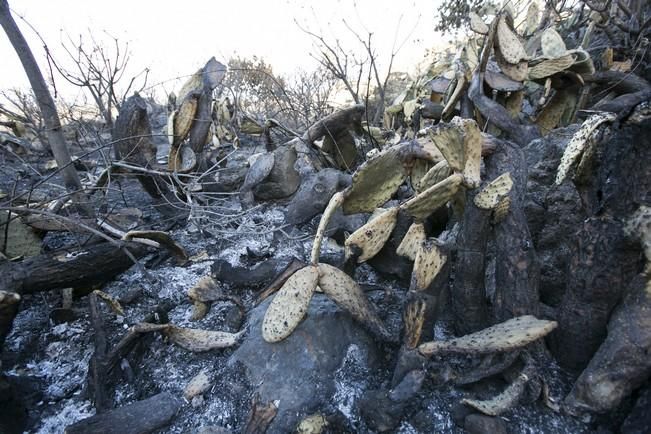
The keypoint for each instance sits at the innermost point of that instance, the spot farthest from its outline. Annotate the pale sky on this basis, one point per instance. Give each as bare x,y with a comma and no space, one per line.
174,38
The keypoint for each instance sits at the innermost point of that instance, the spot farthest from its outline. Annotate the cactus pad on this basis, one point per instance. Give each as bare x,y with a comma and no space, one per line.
509,335
290,304
344,291
491,194
370,238
412,241
578,141
429,261
375,182
425,203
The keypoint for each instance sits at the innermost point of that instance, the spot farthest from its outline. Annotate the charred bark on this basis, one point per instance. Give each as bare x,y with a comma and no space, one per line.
334,124
516,270
133,143
139,417
64,268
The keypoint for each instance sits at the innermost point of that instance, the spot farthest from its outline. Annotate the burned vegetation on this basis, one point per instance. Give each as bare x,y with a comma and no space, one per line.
475,258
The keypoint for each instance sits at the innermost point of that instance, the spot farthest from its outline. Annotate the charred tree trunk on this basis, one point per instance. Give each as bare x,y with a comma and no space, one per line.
516,268
468,295
133,144
46,105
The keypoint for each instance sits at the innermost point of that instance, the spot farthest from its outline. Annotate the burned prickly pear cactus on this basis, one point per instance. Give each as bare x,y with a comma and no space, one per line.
374,183
509,335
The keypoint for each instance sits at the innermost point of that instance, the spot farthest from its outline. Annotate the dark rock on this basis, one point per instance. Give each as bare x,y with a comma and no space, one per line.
408,360
622,363
226,180
387,261
482,424
639,419
459,412
299,370
60,315
380,412
253,276
283,180
408,387
314,194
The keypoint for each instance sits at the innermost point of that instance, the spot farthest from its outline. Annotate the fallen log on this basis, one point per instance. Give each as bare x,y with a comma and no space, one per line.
334,124
139,417
66,268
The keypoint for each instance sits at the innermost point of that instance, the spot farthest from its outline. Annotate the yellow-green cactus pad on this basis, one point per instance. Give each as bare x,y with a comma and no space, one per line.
552,44
509,335
509,44
436,174
369,239
375,182
491,194
448,139
411,243
111,301
430,149
502,209
429,261
544,68
313,424
472,149
199,310
197,340
504,401
344,291
425,203
578,141
290,305
517,72
184,117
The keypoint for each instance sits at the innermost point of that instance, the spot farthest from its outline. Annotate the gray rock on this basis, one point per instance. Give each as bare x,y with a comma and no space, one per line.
299,371
638,420
482,424
283,180
314,194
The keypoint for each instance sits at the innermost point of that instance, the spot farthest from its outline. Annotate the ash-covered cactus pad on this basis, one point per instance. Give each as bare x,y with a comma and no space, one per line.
509,43
509,335
448,139
425,203
369,239
412,241
290,304
508,398
375,182
578,142
491,194
344,291
197,340
429,261
436,174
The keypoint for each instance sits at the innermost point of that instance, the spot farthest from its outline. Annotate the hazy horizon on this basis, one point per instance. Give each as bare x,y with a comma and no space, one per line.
174,41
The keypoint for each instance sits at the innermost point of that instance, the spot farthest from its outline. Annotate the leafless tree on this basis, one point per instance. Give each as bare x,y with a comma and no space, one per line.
46,104
100,68
351,69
